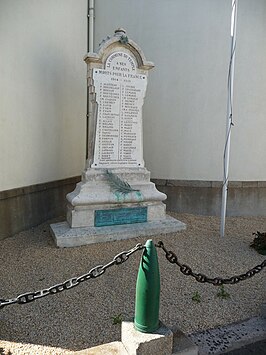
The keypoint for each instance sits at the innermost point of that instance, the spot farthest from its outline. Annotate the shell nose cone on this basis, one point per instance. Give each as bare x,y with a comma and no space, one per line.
149,244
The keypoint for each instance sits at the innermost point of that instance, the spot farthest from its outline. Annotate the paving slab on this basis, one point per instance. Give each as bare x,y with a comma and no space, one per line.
224,339
258,348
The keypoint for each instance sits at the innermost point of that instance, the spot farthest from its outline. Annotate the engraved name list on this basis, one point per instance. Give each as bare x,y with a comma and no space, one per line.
120,92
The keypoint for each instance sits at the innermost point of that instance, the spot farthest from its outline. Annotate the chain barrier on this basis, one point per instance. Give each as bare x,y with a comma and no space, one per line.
217,281
120,259
73,282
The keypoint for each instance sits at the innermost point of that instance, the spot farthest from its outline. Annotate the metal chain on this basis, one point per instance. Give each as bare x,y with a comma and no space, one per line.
217,281
73,282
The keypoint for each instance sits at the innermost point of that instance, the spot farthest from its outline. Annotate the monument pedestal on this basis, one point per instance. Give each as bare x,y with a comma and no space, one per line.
89,203
96,214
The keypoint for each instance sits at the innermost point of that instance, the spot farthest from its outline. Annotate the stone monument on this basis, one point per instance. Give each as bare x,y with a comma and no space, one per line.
115,199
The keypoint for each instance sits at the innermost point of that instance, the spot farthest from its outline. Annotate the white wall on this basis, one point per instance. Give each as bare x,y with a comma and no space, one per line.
185,109
43,86
42,90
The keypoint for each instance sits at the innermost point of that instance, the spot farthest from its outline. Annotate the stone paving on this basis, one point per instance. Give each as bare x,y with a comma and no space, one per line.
249,335
258,348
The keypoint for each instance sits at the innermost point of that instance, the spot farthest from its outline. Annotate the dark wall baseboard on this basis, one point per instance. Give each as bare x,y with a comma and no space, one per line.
245,198
29,206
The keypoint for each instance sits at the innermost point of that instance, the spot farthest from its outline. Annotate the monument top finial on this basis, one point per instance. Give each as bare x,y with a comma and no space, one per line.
120,31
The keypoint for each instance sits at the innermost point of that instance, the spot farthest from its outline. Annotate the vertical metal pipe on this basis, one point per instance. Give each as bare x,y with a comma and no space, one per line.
229,120
148,291
91,25
90,48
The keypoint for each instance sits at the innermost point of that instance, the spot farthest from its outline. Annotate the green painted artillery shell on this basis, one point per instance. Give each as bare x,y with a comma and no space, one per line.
148,291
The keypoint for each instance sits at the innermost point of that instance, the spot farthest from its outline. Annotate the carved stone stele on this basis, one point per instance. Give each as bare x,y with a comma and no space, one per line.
117,80
96,212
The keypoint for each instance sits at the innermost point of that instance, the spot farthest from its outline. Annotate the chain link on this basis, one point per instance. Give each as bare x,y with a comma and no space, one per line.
73,282
217,281
120,259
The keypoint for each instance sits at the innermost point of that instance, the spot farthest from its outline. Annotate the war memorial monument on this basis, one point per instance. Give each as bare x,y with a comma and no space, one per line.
115,198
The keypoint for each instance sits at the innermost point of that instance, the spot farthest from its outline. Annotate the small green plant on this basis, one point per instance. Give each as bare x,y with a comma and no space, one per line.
259,242
196,297
117,319
222,293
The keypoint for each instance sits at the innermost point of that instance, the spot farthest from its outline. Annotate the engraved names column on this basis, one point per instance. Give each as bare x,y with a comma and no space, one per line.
120,93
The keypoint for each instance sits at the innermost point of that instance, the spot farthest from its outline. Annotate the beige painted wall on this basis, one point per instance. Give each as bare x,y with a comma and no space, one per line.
43,86
42,90
185,110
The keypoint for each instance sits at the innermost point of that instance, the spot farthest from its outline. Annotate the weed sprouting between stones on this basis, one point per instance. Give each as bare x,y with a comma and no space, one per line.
222,293
196,297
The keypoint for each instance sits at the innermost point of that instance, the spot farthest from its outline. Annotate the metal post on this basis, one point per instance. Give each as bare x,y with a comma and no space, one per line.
148,291
229,118
90,48
91,25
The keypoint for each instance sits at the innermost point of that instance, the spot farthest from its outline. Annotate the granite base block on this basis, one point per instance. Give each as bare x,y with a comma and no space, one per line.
65,236
159,342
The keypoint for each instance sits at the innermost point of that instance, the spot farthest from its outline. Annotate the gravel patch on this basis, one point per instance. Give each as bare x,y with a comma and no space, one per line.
83,317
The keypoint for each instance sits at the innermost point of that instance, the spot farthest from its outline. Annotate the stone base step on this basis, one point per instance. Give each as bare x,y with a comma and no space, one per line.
65,236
